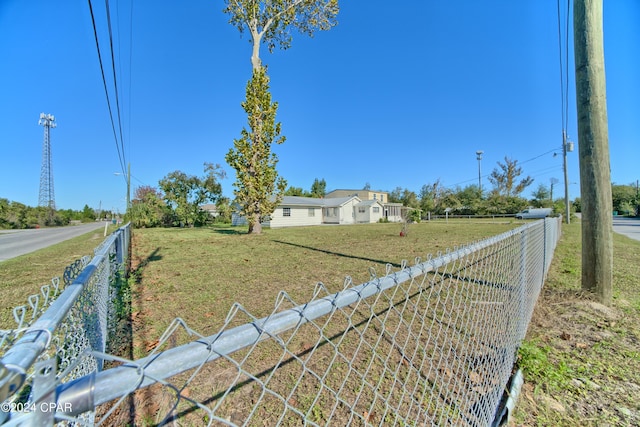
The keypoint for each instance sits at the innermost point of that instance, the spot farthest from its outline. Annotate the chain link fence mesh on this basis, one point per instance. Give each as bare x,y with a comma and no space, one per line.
429,344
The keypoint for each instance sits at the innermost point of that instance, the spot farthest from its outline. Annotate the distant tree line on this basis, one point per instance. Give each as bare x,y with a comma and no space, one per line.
318,190
504,198
15,215
179,197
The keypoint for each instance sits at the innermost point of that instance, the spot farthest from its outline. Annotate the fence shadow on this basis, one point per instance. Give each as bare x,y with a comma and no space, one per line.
121,339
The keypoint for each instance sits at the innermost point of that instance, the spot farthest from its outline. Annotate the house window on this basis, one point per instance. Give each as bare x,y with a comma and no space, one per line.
286,211
312,212
382,198
376,209
375,196
361,210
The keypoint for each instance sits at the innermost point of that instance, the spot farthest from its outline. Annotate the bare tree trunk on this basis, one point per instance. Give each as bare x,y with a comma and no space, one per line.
595,175
255,53
255,227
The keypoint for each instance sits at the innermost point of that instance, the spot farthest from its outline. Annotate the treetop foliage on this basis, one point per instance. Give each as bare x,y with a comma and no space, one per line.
504,179
318,188
270,21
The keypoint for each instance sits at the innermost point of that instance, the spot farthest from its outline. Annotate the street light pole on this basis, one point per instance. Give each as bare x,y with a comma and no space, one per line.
479,154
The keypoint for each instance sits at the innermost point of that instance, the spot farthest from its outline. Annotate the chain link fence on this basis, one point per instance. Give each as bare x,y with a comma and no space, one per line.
58,327
432,343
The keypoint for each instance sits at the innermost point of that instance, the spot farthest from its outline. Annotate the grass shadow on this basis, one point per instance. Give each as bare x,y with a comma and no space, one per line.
376,261
228,231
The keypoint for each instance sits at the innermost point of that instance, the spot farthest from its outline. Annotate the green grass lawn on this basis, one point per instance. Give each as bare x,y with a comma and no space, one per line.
197,274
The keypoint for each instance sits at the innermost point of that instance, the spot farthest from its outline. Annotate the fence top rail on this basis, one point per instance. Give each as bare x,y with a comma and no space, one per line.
113,383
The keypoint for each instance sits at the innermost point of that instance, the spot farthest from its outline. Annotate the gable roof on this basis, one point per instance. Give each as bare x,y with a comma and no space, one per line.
334,202
301,201
369,203
314,202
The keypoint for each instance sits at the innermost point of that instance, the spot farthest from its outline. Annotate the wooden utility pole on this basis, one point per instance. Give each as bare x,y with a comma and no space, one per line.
595,174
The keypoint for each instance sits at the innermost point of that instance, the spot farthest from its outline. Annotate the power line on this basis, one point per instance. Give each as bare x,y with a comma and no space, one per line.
115,80
564,66
520,163
106,91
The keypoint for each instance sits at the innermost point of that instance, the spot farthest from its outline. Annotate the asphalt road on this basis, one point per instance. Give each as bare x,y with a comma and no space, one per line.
14,243
630,227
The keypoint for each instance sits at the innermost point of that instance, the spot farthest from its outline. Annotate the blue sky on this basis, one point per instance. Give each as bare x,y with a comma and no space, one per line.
389,97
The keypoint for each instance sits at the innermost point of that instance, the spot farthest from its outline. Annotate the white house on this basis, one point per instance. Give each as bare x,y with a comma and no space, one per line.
303,211
368,211
393,212
296,211
340,210
211,208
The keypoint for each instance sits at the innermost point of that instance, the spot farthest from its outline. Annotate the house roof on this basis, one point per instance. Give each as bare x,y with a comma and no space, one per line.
314,202
301,201
335,202
356,190
369,203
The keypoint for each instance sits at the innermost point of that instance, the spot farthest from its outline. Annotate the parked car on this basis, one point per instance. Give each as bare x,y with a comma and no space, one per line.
533,213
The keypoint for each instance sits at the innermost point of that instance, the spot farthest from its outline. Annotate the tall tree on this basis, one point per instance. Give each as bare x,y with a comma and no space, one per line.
505,178
185,193
271,21
593,133
624,198
431,196
147,208
296,191
405,196
470,198
258,187
318,188
541,197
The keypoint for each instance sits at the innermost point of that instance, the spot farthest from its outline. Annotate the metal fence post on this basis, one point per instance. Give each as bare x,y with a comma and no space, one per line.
44,393
522,327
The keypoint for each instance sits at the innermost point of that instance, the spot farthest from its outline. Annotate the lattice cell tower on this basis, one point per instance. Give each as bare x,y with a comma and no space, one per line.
46,197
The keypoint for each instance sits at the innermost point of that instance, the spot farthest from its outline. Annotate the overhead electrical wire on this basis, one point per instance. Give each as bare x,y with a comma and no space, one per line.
130,74
119,145
115,79
564,86
520,163
564,66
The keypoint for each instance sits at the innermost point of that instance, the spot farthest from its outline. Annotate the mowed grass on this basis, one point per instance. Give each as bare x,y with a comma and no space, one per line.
197,274
24,275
